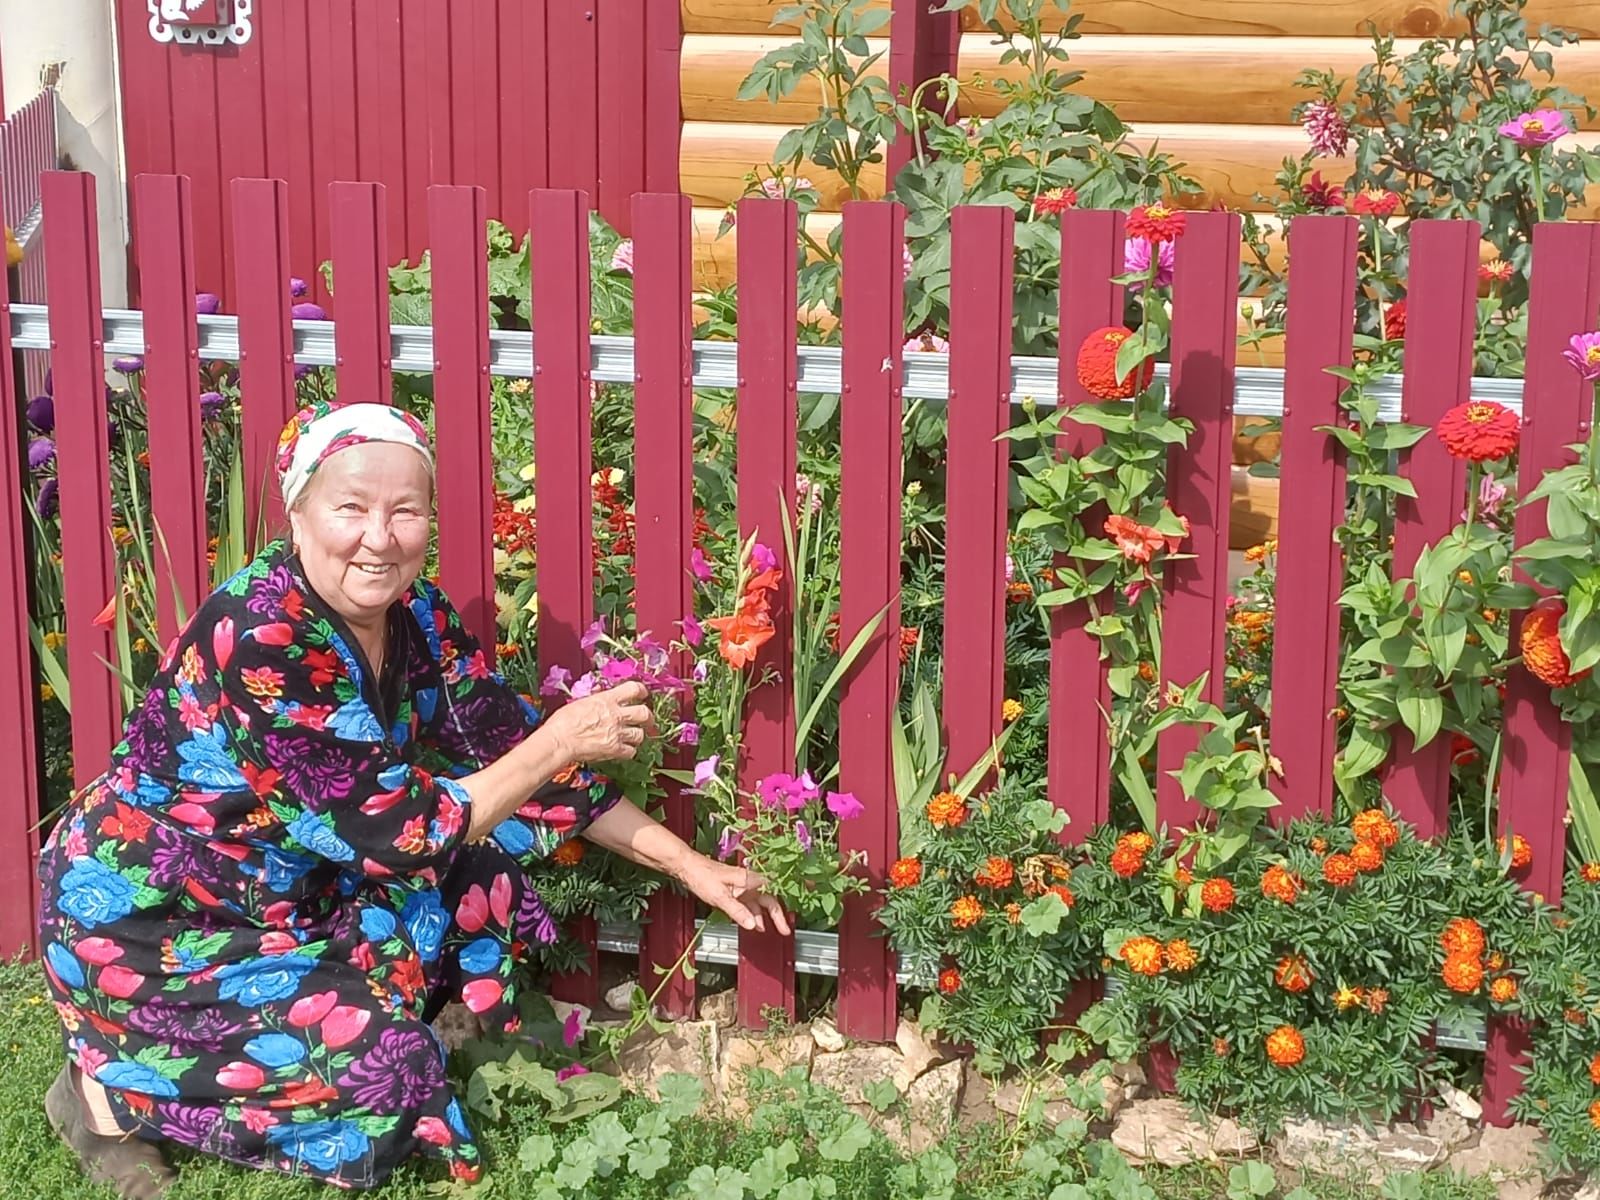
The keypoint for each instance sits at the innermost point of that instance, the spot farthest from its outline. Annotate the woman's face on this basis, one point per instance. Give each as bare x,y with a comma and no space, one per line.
362,526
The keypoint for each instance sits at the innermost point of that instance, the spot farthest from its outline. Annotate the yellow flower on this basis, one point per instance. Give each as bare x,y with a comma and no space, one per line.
1464,576
54,640
46,692
520,387
614,477
141,646
1011,710
914,488
1347,998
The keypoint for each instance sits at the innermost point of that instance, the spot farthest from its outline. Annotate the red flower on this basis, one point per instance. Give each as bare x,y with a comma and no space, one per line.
950,981
1156,223
1097,366
1339,870
1542,652
1496,270
1374,203
1054,200
1320,194
1217,895
1135,541
1394,322
1479,431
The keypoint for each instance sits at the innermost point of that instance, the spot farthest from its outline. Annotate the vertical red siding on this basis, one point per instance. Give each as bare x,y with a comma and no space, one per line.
359,228
572,44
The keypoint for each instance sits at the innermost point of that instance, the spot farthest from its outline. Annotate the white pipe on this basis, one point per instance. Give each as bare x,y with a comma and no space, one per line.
74,37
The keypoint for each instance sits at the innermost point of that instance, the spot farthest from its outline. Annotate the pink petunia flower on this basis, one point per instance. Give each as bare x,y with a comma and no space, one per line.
845,806
700,565
802,835
572,1028
571,1072
762,559
706,770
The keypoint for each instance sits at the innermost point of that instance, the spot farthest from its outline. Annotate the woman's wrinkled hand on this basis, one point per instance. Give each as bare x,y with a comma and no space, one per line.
608,726
735,891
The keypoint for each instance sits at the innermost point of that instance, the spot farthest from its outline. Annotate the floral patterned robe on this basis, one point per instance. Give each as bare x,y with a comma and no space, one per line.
249,919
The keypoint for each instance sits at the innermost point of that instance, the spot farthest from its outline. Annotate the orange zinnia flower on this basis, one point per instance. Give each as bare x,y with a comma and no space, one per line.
1285,1046
1463,937
1142,954
947,811
1216,895
1374,825
1136,542
906,872
1462,974
1542,652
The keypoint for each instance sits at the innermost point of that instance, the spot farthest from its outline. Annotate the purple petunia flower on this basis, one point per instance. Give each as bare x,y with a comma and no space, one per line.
42,414
1136,260
131,365
556,682
41,453
729,842
693,632
303,370
572,1028
307,311
592,637
689,734
207,304
211,405
845,806
705,771
1583,352
1534,129
622,257
700,565
49,501
298,287
802,835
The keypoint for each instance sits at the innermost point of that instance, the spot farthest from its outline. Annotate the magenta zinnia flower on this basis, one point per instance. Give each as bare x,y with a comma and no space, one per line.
1534,129
1328,131
1136,260
1583,352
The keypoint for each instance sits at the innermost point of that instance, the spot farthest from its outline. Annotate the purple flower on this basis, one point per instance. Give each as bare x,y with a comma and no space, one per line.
762,559
1534,129
693,632
700,672
49,501
211,405
1136,260
651,651
207,304
1583,352
845,806
307,311
186,1028
572,1029
128,366
188,1124
689,734
622,257
1328,131
302,370
41,453
700,565
592,637
402,1071
705,771
310,767
298,287
802,835
42,414
1491,495
618,670
583,686
556,682
729,842
571,1071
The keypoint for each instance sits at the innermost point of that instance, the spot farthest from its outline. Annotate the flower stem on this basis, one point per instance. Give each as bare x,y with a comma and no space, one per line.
1538,184
1594,438
1473,483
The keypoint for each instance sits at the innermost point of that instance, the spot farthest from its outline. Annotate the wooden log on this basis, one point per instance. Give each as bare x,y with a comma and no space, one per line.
1232,163
1234,18
1225,79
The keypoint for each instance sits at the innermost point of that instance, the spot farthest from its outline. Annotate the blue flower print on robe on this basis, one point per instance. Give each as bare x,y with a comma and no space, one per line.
206,763
259,981
275,1049
281,870
94,894
136,1077
426,921
356,722
481,957
321,1145
515,838
66,966
377,924
312,832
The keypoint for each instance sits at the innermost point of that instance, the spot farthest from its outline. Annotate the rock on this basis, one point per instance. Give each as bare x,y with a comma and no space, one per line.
620,998
1460,1102
1507,1155
1589,1190
1331,1149
1010,1096
929,1110
1163,1131
689,1048
723,1008
917,1054
827,1035
1520,1189
1132,1077
1451,1128
456,1025
742,1053
848,1072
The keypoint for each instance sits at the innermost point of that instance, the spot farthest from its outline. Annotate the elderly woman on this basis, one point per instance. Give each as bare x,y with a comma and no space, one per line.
310,838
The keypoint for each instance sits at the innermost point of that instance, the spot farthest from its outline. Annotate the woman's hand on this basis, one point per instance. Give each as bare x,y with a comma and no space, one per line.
733,890
608,726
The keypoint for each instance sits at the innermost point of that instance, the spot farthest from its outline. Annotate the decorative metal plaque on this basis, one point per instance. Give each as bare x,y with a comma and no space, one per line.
201,22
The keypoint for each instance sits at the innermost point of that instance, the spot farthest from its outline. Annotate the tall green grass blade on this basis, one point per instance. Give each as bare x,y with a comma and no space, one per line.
50,664
851,653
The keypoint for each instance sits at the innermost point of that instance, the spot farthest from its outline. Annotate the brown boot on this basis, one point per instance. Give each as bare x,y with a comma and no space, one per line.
133,1168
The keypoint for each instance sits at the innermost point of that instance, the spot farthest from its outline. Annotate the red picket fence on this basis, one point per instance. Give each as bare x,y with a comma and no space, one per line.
1566,297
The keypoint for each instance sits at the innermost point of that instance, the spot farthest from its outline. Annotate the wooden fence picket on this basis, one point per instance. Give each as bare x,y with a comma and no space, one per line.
1536,745
767,430
1305,639
869,573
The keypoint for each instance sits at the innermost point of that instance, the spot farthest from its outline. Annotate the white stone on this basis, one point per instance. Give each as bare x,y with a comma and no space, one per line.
563,1010
689,1048
1460,1102
929,1109
917,1054
1164,1131
827,1035
848,1072
1345,1147
1504,1155
1451,1128
620,998
723,1008
742,1053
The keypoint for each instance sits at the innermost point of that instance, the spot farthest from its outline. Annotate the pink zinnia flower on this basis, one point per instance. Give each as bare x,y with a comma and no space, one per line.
622,257
775,189
1328,131
927,343
1583,352
1534,129
1136,260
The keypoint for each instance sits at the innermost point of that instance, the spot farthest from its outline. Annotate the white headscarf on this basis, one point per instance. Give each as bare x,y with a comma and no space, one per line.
321,430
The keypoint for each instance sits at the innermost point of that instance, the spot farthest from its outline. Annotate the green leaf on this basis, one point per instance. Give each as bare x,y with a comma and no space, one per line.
537,1152
1042,917
1366,750
881,1094
680,1095
851,1137
1389,483
1422,712
1250,1181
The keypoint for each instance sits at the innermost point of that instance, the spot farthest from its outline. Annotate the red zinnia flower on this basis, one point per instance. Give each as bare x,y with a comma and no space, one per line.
1394,322
1479,431
1542,652
1374,203
1097,366
1155,223
1054,200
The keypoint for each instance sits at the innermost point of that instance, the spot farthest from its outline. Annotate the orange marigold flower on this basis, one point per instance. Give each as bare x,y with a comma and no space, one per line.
1594,1114
1019,592
1126,861
947,811
1503,990
905,872
1339,870
1181,956
1495,961
966,912
1217,895
1479,431
1278,884
1575,1016
569,853
1064,893
1589,872
1156,223
1183,877
996,873
1285,1046
1462,974
1054,200
1142,954
1542,652
1293,974
1138,840
1367,856
949,981
1521,852
1374,825
1261,552
1347,998
1250,618
1221,1047
1463,937
1319,845
1136,542
1014,913
1594,1070
1377,998
1097,365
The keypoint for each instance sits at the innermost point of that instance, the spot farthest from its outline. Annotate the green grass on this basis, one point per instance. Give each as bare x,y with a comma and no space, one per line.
35,1161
